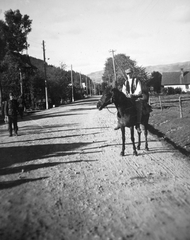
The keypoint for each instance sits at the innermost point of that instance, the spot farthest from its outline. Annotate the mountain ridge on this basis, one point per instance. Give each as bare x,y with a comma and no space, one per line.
172,67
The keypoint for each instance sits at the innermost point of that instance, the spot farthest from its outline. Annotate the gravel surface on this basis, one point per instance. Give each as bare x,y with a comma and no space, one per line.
63,178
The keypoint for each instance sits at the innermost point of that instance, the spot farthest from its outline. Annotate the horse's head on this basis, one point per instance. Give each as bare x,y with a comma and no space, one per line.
106,98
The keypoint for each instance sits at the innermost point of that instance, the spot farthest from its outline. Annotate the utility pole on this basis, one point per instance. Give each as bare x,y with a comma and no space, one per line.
45,73
112,51
80,80
90,82
80,84
72,84
21,81
86,86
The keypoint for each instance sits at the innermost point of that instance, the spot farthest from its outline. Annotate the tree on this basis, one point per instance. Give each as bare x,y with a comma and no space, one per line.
122,62
13,40
155,81
10,75
16,31
2,53
2,41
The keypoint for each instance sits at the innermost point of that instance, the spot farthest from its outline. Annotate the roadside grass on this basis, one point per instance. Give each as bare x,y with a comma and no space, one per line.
168,123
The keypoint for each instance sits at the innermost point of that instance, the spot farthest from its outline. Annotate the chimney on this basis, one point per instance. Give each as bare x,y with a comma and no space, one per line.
181,76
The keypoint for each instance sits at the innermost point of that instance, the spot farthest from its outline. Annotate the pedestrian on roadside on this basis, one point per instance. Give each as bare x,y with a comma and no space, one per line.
21,105
10,112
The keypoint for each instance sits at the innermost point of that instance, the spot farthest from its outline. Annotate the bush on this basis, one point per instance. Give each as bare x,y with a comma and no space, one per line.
170,90
178,90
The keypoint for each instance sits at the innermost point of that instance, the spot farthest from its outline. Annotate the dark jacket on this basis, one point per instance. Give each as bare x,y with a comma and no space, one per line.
11,108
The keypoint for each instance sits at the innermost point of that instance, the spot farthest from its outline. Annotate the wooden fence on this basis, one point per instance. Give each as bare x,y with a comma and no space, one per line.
181,102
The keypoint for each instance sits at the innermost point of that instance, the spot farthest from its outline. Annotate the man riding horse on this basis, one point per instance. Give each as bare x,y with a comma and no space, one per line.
132,88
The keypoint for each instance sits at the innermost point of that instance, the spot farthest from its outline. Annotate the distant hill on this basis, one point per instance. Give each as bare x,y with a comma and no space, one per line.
173,67
96,76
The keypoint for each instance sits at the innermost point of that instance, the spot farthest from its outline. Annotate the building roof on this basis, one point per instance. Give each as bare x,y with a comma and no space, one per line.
174,78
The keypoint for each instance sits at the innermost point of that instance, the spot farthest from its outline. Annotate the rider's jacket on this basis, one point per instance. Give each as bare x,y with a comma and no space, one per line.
133,87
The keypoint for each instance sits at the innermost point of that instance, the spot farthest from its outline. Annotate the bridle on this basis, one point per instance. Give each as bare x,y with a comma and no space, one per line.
109,101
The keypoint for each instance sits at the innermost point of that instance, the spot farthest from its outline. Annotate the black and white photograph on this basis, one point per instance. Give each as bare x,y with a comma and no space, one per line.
94,120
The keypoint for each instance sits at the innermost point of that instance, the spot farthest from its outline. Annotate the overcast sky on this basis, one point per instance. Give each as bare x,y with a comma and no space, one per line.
81,33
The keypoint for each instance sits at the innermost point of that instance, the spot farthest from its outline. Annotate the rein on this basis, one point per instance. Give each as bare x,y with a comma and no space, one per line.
110,111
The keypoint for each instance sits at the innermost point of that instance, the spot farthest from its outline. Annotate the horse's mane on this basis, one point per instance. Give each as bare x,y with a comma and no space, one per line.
121,96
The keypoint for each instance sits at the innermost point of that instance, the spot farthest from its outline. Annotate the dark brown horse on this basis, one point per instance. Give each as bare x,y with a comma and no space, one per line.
127,116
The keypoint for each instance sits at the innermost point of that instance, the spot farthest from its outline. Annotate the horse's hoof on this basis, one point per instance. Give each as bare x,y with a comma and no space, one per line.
122,154
146,148
138,148
135,153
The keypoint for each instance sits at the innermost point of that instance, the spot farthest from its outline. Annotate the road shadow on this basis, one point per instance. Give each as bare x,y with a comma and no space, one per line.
33,167
11,184
35,129
49,115
82,109
27,168
20,154
50,138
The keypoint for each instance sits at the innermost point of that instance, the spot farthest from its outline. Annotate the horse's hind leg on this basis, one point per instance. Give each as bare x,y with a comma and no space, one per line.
123,141
133,141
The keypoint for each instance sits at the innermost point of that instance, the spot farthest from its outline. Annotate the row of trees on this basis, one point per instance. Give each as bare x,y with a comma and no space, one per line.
25,75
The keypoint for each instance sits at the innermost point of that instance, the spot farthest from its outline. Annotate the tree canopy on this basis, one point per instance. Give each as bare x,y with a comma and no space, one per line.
16,29
122,62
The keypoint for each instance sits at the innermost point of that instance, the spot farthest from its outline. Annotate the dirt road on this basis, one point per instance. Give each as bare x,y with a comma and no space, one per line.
63,178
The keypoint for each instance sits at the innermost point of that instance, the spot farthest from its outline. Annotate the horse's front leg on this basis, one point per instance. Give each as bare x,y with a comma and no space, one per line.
145,135
139,140
133,141
123,141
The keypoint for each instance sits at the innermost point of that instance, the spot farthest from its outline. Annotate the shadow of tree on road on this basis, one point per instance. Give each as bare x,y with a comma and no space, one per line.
32,167
48,138
27,168
21,154
10,184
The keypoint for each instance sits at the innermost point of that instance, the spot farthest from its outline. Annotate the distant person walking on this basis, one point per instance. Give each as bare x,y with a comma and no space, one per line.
10,112
21,105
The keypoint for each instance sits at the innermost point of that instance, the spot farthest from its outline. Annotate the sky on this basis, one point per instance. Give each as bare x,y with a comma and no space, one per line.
82,33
